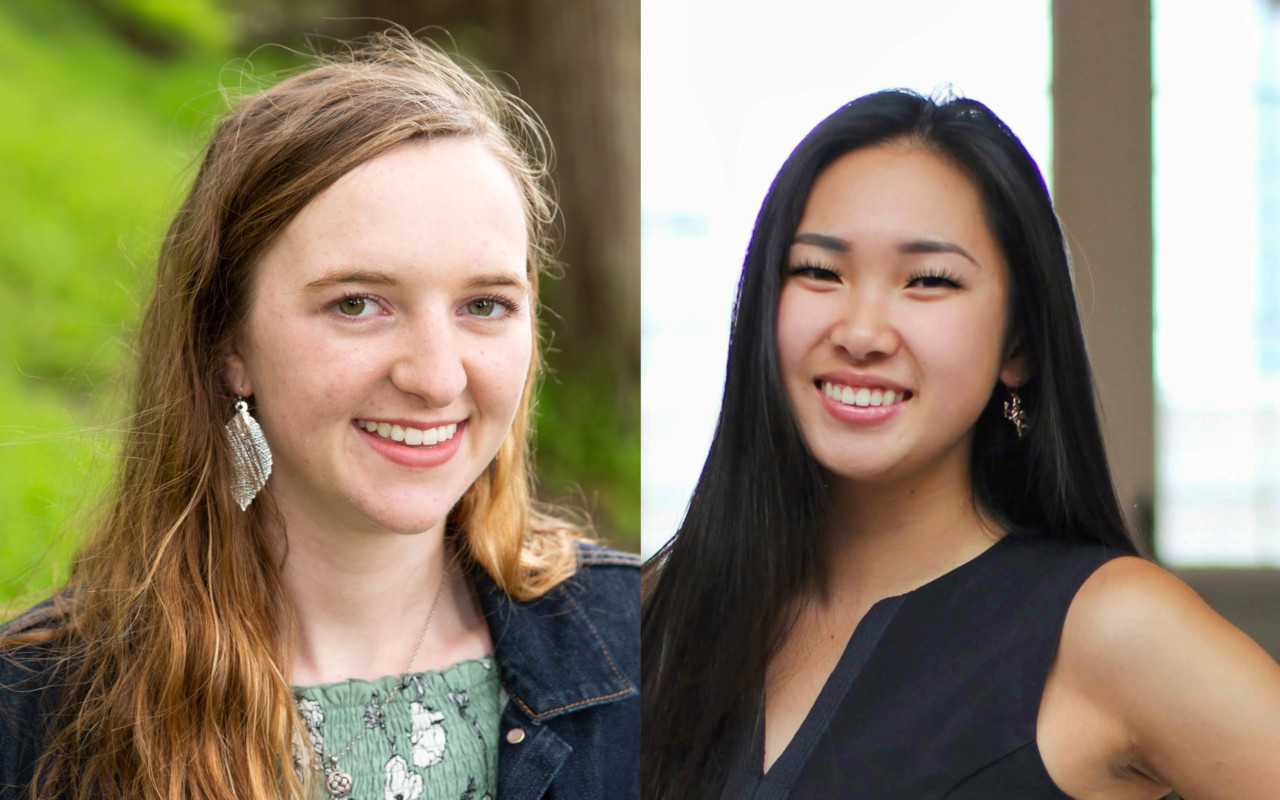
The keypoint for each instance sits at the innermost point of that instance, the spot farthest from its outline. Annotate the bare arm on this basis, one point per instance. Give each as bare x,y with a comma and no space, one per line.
1195,701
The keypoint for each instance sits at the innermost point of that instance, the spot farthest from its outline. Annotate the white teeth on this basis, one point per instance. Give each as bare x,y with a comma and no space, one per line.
410,436
863,396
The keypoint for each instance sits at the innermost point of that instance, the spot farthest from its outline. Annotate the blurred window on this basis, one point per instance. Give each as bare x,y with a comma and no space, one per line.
728,89
1216,195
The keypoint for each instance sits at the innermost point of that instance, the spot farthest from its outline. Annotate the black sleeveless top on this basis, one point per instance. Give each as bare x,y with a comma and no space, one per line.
937,692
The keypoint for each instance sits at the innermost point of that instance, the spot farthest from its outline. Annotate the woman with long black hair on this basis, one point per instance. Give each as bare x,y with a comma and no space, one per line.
904,572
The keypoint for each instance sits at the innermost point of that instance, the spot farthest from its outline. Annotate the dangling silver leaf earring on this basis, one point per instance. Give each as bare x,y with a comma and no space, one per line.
250,456
1014,413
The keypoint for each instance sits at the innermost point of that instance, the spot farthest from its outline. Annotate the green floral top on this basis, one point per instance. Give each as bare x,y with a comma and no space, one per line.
436,740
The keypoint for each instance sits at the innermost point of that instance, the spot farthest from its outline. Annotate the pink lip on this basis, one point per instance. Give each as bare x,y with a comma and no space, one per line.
408,455
860,415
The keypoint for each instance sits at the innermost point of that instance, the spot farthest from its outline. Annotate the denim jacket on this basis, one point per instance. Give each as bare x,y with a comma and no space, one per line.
570,664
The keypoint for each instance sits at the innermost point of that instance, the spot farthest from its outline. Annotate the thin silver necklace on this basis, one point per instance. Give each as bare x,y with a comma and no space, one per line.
338,782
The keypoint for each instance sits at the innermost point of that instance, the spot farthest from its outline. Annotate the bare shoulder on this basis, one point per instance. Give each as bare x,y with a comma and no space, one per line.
1198,700
1129,601
1132,617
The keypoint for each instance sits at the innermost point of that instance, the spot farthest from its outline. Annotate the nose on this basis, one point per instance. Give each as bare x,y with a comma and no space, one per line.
865,331
429,362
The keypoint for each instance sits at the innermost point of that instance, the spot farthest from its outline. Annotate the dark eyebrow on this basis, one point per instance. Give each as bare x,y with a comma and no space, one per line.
912,247
337,276
824,241
925,246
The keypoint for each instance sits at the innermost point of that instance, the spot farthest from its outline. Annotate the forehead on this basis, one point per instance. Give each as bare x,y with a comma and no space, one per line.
424,205
896,190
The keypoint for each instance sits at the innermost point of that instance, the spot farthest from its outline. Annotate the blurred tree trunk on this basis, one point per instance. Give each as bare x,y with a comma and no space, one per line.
578,65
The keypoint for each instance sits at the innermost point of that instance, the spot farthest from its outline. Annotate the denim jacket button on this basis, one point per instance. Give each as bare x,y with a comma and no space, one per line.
515,735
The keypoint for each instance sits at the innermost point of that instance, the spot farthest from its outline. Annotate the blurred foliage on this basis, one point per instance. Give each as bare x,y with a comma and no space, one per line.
588,453
165,26
107,105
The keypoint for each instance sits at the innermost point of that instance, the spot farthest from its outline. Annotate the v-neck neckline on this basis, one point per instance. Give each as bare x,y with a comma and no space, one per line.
786,768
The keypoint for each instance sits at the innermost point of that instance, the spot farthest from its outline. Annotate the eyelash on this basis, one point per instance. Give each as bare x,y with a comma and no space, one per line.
812,270
932,278
939,278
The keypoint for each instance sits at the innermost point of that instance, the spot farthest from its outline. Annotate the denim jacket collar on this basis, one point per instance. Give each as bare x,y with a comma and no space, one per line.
552,658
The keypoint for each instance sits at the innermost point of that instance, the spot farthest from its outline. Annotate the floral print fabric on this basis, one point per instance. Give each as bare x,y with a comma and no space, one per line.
436,740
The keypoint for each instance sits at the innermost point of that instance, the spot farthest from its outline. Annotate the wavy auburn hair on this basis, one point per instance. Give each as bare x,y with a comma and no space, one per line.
174,623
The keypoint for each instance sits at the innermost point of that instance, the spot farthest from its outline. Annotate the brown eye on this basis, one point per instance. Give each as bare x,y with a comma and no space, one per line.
933,280
814,271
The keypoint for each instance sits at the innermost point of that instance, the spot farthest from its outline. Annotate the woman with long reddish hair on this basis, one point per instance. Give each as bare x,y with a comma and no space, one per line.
321,572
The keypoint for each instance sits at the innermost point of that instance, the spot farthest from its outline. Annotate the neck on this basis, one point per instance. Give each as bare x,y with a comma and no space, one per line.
361,601
890,537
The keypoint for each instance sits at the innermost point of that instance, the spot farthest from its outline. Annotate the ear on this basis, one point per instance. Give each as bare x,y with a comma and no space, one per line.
235,372
1016,369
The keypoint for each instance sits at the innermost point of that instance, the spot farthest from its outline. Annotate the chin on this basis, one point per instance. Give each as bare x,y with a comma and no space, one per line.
410,525
407,508
406,518
864,476
862,470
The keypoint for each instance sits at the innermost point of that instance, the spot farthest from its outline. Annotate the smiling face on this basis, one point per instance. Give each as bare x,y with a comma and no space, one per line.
389,339
891,323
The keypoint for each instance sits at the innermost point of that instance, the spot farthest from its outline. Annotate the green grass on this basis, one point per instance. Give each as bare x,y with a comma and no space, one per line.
93,139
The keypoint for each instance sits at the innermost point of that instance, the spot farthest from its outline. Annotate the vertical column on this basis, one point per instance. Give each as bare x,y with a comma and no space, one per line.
1102,186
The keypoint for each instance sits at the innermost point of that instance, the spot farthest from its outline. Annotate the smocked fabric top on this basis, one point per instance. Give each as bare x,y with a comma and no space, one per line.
437,739
937,692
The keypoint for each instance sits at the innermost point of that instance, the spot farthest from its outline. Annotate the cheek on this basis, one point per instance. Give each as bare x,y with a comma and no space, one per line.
801,323
282,357
301,376
960,345
500,372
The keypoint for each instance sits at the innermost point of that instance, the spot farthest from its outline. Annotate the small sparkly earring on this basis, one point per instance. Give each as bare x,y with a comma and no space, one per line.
1014,413
250,455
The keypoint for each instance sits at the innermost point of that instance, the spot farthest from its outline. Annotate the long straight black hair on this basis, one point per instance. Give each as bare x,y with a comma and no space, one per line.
720,596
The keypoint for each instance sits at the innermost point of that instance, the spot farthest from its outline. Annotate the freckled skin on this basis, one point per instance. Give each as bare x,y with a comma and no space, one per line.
873,314
431,217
